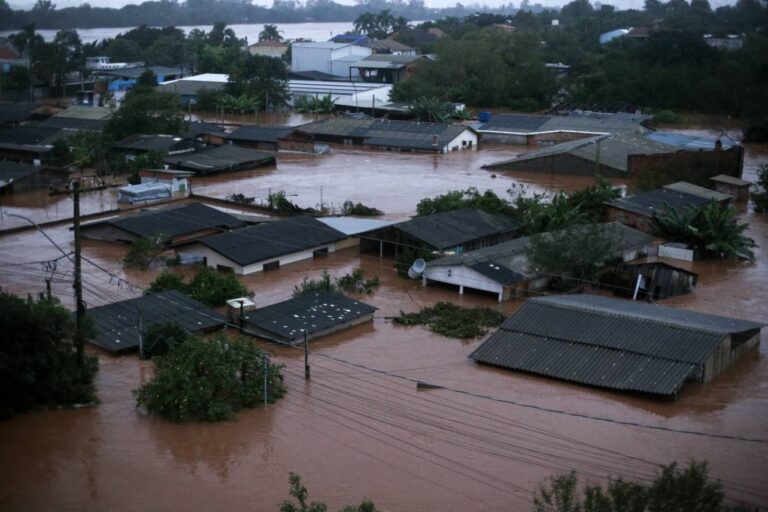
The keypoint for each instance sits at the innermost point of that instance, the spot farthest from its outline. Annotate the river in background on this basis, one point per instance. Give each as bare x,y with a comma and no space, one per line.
312,31
360,428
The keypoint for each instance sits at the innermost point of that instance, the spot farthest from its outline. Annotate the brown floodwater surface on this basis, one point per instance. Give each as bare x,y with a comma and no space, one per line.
360,428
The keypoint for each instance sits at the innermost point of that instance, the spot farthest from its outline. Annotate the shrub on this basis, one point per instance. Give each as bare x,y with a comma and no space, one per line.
665,117
406,258
210,380
359,209
357,282
301,495
524,105
144,251
453,321
761,198
38,366
308,285
208,286
159,339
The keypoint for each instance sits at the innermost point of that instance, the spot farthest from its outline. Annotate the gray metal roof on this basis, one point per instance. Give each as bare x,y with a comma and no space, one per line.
74,123
272,239
136,72
116,324
580,122
153,142
731,180
585,364
658,200
446,230
172,222
187,87
31,135
219,159
262,133
608,342
690,142
15,112
379,61
690,188
15,171
499,273
614,150
311,313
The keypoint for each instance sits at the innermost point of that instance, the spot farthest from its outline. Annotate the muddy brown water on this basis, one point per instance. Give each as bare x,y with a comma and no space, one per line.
360,428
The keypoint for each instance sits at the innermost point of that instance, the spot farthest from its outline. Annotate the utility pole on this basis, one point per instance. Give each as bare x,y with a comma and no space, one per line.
265,368
48,289
78,285
597,158
306,357
140,329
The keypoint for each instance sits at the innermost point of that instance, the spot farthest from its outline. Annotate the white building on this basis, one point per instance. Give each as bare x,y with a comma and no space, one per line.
327,57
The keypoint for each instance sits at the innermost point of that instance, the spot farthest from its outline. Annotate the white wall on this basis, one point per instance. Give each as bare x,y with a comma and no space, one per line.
463,141
214,259
306,57
460,275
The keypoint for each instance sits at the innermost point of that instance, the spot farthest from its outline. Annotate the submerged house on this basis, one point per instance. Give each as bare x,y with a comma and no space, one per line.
21,176
653,280
505,270
227,158
535,130
313,314
118,326
384,134
175,225
617,344
262,137
139,144
265,246
455,231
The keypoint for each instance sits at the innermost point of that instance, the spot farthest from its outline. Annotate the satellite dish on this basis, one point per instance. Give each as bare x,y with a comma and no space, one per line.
417,268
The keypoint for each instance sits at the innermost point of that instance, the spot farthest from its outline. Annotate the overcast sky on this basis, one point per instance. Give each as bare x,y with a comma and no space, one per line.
622,4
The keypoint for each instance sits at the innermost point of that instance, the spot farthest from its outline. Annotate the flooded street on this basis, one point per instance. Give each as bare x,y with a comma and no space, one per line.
360,428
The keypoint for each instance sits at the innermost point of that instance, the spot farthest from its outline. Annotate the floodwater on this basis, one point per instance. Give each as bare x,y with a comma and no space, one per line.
360,428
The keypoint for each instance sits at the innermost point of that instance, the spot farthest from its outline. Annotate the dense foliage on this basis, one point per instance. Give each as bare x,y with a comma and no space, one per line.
354,282
714,231
453,321
144,251
208,285
210,380
572,256
146,111
359,209
685,490
299,493
159,339
38,365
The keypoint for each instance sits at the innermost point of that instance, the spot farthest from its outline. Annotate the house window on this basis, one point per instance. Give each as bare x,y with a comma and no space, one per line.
320,252
463,143
272,265
224,268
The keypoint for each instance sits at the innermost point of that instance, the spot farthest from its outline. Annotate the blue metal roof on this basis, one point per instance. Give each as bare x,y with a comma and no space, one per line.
690,142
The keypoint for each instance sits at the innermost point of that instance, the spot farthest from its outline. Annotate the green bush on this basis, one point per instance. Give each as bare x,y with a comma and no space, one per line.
210,380
406,258
38,366
453,321
665,117
301,495
307,285
144,251
159,339
208,286
355,282
524,105
359,209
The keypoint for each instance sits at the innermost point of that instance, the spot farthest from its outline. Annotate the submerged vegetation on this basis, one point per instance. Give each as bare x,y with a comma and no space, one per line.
354,282
207,285
210,380
714,231
299,493
453,321
686,489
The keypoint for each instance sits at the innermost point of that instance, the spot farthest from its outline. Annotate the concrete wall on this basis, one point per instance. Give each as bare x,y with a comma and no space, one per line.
466,140
214,259
308,57
706,163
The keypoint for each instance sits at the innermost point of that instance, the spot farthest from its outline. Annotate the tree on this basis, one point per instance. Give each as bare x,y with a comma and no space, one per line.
210,380
301,495
714,231
146,112
430,109
270,33
159,339
573,255
685,490
591,201
264,78
38,366
144,251
208,286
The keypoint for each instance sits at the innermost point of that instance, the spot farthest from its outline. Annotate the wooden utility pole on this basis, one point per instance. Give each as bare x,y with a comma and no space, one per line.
306,357
265,370
78,285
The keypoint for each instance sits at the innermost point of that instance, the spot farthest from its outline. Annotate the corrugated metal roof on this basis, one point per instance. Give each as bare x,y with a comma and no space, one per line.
153,142
116,324
171,222
218,159
585,364
608,342
690,188
731,180
272,239
354,226
499,273
653,201
690,142
74,123
311,313
613,152
581,122
446,230
261,133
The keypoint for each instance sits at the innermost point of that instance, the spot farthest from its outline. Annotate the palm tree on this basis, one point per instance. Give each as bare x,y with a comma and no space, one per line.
270,33
430,109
